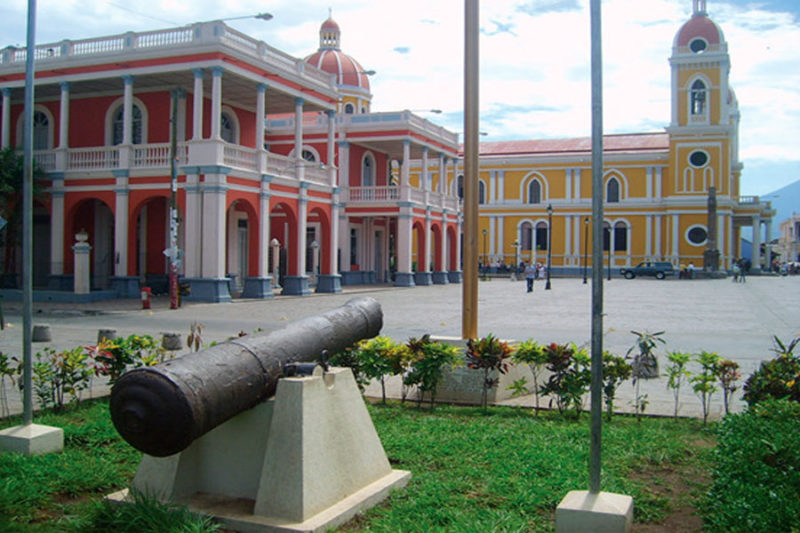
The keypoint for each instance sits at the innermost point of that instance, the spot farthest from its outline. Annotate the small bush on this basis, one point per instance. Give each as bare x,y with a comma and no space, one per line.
778,378
756,471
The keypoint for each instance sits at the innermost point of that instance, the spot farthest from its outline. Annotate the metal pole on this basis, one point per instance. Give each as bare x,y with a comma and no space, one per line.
469,323
549,244
609,254
27,221
597,251
585,245
173,205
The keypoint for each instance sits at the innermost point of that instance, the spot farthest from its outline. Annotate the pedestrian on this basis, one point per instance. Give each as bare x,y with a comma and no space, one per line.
691,270
530,275
742,268
735,271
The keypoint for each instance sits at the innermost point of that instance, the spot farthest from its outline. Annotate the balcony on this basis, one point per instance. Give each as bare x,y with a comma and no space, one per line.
391,195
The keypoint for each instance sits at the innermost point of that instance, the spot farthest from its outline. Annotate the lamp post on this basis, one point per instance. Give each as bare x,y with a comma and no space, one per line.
585,245
549,244
314,261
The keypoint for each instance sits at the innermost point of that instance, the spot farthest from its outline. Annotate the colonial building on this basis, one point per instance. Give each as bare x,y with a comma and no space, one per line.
656,186
283,175
287,182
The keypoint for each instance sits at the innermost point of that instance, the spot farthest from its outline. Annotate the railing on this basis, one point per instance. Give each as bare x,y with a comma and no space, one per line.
748,200
382,193
93,158
189,36
156,155
240,157
45,160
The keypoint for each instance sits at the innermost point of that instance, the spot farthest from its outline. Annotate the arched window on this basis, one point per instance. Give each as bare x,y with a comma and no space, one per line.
541,236
606,236
41,131
481,192
460,187
698,98
620,237
136,126
349,109
526,236
309,156
534,192
612,191
367,172
227,129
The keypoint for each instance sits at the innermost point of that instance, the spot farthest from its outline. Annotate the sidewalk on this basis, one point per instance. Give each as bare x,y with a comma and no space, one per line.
736,320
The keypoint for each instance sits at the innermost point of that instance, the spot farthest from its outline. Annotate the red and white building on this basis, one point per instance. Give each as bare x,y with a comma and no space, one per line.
281,167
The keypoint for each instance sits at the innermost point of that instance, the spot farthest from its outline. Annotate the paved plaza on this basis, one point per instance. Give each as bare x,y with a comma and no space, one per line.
736,320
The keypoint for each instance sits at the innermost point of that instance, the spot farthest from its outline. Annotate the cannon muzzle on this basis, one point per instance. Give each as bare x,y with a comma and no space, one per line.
160,410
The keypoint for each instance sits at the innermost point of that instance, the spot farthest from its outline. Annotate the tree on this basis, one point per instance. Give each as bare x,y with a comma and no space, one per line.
12,174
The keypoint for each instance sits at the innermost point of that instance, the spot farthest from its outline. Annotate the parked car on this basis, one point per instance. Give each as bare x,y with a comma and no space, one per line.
649,268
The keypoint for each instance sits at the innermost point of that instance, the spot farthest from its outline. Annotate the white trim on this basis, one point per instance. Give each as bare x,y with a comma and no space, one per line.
109,120
50,126
228,110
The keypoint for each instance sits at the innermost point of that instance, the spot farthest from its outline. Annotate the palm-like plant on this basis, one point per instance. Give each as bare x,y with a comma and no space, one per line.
488,353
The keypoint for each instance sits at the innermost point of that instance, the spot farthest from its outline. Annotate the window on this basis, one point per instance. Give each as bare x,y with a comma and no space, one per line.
227,128
460,187
481,192
136,126
698,45
309,156
606,237
541,236
367,172
526,236
697,235
698,158
349,109
698,102
534,192
41,131
612,190
353,247
620,237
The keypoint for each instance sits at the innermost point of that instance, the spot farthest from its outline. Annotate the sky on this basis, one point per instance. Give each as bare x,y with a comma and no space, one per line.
534,54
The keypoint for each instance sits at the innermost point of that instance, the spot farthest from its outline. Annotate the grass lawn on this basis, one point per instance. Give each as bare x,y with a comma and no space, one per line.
505,470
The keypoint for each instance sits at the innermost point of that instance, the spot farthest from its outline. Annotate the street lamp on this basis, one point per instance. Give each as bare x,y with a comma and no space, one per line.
549,244
585,245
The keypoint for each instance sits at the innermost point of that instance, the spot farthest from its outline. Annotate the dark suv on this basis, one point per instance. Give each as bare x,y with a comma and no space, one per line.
648,268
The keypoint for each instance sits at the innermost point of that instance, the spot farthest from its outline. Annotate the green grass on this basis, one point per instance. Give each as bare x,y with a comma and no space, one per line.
504,470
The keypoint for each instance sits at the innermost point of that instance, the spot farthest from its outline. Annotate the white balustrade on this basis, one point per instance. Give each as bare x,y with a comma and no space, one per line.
45,160
104,157
239,157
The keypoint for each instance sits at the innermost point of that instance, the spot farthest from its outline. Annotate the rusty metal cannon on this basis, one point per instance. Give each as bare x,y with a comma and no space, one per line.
160,410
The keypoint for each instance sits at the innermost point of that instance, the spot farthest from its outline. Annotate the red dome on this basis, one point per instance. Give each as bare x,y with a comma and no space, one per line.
347,70
330,24
699,26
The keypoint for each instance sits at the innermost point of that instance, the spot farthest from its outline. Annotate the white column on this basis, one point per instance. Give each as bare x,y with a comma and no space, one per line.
216,102
197,105
331,161
181,116
657,192
213,226
344,242
121,224
426,261
576,175
423,175
264,227
648,236
567,237
298,139
336,208
568,183
501,185
442,175
443,247
302,224
492,231
6,128
500,244
192,227
404,164
63,117
127,112
648,180
261,112
344,173
457,265
404,222
721,242
675,235
659,250
755,258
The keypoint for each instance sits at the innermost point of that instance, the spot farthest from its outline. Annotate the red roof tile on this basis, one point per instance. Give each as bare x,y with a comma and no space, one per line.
611,143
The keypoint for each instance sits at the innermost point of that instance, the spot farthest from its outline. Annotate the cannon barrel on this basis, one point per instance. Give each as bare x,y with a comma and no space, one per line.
162,409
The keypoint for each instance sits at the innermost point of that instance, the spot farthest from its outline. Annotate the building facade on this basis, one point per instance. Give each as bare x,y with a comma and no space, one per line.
286,181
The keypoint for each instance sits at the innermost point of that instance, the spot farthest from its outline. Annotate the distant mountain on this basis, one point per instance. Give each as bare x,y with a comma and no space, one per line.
786,201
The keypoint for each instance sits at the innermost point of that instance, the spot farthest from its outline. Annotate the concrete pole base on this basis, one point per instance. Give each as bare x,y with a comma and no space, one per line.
32,439
584,512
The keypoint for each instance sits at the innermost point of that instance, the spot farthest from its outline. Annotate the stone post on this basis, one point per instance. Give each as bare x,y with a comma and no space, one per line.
82,249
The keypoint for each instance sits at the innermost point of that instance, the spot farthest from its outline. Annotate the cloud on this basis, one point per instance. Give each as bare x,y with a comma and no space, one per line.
402,49
539,7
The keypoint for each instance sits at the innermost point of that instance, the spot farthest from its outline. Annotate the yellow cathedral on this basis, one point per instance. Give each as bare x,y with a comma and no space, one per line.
537,194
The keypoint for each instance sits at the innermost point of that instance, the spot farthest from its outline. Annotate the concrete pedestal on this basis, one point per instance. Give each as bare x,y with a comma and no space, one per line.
329,283
258,287
307,460
423,278
33,439
295,286
440,278
454,276
214,290
584,512
404,279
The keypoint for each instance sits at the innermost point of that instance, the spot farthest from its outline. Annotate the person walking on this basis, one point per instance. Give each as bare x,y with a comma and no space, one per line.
530,275
742,269
735,271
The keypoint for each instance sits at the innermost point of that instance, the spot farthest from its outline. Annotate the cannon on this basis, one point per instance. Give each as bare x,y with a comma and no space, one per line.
161,410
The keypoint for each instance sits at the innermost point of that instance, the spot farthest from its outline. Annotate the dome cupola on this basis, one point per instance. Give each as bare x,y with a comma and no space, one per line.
699,34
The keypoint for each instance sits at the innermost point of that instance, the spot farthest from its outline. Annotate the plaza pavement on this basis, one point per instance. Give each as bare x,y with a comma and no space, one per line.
736,320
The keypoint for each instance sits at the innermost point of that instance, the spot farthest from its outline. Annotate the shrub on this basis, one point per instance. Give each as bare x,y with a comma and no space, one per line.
487,354
113,358
703,383
615,371
644,364
756,471
728,373
778,378
531,354
381,356
428,362
570,377
56,374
